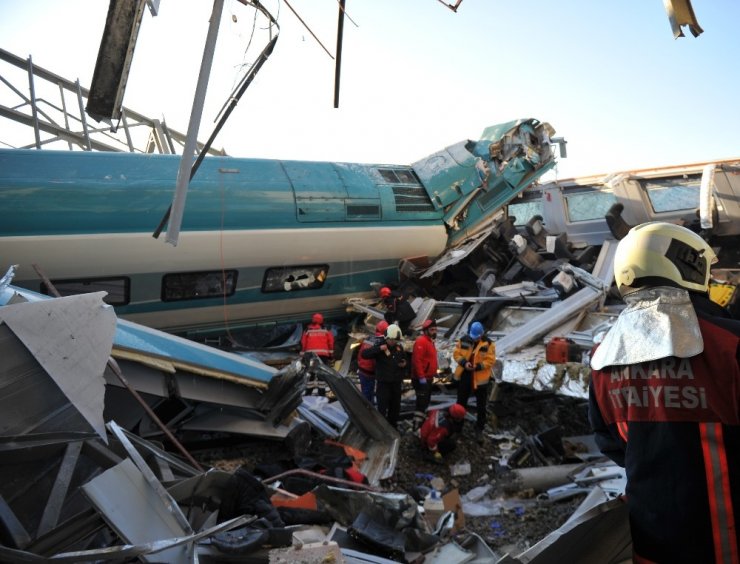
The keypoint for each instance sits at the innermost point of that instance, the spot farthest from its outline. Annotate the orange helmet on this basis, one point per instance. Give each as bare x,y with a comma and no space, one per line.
317,318
385,292
381,327
457,411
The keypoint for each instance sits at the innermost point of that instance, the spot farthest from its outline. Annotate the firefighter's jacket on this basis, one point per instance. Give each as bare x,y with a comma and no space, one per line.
436,427
367,365
317,339
480,353
390,365
674,424
424,358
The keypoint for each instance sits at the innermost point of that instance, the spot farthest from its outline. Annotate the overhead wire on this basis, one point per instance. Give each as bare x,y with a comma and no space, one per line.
300,19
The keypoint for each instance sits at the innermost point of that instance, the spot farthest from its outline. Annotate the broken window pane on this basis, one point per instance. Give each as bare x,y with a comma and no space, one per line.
588,205
407,177
290,278
524,211
117,288
196,285
672,194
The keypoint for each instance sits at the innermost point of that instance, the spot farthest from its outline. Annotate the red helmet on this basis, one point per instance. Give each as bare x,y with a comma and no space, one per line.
457,411
381,327
385,292
317,318
429,323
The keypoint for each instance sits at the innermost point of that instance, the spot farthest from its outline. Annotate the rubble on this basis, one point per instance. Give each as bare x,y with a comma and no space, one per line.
92,483
104,421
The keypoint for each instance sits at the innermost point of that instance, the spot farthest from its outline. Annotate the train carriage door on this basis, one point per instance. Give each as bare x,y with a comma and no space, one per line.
320,193
363,202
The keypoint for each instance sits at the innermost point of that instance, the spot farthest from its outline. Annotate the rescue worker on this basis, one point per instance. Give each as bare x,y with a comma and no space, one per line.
475,355
397,309
424,368
390,370
664,399
438,429
366,366
318,340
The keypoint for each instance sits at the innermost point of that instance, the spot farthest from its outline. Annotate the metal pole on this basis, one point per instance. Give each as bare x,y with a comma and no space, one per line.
183,174
338,65
34,109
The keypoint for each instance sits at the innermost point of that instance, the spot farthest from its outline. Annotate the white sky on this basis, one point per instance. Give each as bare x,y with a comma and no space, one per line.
416,77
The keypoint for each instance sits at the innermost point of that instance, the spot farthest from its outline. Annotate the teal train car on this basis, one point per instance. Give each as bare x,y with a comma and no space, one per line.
261,240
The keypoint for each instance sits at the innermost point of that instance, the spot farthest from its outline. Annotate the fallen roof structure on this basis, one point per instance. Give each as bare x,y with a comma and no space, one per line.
56,374
191,388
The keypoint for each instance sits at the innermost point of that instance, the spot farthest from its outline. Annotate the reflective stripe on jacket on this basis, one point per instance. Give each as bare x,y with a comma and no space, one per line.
481,354
674,424
390,366
317,340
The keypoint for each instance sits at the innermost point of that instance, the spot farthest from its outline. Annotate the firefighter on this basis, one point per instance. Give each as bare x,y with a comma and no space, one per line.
475,355
424,368
438,429
366,366
664,399
390,371
319,340
397,309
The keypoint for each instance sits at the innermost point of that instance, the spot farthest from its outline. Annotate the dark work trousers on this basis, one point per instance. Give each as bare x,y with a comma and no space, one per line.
316,383
388,395
423,394
464,391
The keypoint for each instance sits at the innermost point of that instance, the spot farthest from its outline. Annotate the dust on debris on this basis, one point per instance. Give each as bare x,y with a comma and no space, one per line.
523,519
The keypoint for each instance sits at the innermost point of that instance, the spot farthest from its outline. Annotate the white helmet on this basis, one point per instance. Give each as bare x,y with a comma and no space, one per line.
393,332
659,253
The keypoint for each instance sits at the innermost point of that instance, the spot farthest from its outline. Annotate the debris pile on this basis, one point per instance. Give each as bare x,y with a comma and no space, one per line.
80,485
121,442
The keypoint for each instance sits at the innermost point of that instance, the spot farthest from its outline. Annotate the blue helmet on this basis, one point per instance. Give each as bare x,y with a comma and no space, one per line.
476,330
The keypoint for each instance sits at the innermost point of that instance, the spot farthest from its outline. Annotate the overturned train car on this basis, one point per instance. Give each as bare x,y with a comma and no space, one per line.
261,240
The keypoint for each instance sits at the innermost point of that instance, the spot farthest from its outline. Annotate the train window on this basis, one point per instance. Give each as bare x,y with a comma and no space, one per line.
524,211
117,288
398,176
673,194
411,199
294,278
197,285
587,205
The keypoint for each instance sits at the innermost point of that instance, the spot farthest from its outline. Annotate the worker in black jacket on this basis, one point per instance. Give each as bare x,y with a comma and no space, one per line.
398,310
665,400
390,370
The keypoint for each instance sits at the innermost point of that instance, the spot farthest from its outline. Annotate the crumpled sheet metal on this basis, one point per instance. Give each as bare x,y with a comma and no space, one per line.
657,323
527,368
344,505
573,542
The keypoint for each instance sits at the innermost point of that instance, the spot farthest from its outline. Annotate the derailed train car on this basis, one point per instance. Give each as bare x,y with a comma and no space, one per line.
261,239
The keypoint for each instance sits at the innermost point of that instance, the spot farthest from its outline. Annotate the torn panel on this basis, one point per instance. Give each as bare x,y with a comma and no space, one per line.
680,13
122,495
71,338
